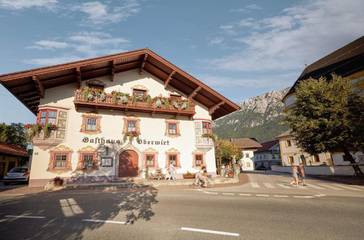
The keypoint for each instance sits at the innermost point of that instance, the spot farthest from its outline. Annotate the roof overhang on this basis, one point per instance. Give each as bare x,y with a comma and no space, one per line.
29,86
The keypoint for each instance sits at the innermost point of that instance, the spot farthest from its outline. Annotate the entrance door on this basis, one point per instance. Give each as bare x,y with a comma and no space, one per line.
128,164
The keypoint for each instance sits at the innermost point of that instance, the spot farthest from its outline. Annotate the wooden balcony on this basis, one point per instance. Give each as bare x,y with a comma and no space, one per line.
187,108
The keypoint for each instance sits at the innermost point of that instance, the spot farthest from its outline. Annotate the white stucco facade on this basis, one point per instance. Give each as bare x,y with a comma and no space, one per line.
152,136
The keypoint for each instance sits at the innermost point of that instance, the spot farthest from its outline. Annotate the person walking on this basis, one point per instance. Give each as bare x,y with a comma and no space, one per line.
172,171
301,170
295,165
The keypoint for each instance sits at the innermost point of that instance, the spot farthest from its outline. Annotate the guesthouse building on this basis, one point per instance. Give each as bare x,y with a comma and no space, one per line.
118,116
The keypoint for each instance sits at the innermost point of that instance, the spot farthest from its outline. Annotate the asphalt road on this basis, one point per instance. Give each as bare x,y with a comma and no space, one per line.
178,214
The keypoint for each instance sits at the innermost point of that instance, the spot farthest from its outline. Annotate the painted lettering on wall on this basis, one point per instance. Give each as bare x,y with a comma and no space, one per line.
153,142
101,140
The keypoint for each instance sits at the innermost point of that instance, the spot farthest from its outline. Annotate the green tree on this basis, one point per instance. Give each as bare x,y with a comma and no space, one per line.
328,116
13,134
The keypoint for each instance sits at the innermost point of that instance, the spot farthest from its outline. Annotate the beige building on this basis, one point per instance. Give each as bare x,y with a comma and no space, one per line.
291,153
117,116
247,147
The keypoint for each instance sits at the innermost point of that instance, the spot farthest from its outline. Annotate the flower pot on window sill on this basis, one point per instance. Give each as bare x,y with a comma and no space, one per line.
189,175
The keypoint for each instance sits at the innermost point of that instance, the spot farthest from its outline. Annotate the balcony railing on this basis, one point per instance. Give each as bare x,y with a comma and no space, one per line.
124,102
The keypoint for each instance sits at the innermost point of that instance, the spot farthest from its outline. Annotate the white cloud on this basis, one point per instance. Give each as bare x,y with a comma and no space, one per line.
49,44
80,45
24,4
298,36
51,60
101,13
216,40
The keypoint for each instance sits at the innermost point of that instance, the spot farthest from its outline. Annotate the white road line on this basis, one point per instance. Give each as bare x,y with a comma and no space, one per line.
314,186
102,221
254,185
303,196
329,186
210,231
347,187
213,193
24,216
268,185
280,196
262,195
228,194
245,194
282,185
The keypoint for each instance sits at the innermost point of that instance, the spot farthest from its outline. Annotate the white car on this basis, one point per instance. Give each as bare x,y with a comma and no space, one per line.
17,175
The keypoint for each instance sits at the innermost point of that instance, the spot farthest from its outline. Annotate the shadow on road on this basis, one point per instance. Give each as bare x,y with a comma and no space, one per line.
65,212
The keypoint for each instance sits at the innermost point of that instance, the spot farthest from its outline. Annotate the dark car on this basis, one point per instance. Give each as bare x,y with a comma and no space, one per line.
261,167
17,175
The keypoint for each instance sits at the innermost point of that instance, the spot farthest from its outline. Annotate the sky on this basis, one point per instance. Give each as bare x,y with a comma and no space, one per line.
241,48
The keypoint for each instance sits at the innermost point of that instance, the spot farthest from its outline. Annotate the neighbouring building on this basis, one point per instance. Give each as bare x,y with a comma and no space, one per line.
347,62
11,156
117,116
268,154
290,152
247,146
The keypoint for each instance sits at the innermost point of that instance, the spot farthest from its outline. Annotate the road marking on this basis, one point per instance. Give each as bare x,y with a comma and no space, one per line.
213,193
103,221
228,194
314,186
280,196
24,216
210,231
254,185
245,194
282,185
262,195
303,196
347,187
70,207
329,186
268,185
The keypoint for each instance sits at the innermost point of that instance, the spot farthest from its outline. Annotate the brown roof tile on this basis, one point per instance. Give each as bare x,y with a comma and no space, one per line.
246,143
14,150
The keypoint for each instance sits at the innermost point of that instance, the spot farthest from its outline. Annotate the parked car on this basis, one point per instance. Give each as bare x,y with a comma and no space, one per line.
261,167
17,175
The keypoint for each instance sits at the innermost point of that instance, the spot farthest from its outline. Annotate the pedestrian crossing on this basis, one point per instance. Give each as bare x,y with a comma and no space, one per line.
312,186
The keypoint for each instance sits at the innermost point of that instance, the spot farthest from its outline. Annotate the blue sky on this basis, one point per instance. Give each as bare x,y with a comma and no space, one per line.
241,48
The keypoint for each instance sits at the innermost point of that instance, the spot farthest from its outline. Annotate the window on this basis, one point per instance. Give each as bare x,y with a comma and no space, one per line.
88,160
131,126
139,93
172,158
316,158
106,161
61,160
47,116
290,159
172,128
289,143
206,128
91,123
149,160
247,164
198,160
247,155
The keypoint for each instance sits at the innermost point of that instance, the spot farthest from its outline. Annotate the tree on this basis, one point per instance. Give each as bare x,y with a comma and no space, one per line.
13,134
328,116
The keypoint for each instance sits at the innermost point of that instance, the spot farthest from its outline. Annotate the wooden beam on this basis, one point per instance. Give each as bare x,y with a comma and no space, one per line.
112,70
143,63
214,108
194,92
30,98
32,102
28,94
169,79
78,77
39,86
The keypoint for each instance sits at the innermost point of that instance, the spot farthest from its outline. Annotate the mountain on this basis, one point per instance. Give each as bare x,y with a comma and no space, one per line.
260,117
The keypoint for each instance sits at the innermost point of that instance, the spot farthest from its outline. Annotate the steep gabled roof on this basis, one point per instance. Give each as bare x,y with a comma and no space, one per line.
13,150
344,61
28,86
246,143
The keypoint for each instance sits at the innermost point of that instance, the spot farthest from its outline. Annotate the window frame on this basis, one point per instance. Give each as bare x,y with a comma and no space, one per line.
195,159
126,121
60,150
207,130
167,130
47,111
86,118
87,151
170,153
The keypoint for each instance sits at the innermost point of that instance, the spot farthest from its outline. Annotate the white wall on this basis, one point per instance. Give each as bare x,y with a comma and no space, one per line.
151,127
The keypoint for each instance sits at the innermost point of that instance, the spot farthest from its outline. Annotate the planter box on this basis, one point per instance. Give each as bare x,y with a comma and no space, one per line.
189,176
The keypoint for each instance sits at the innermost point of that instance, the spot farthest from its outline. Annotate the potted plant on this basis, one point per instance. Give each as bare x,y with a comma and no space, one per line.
58,181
